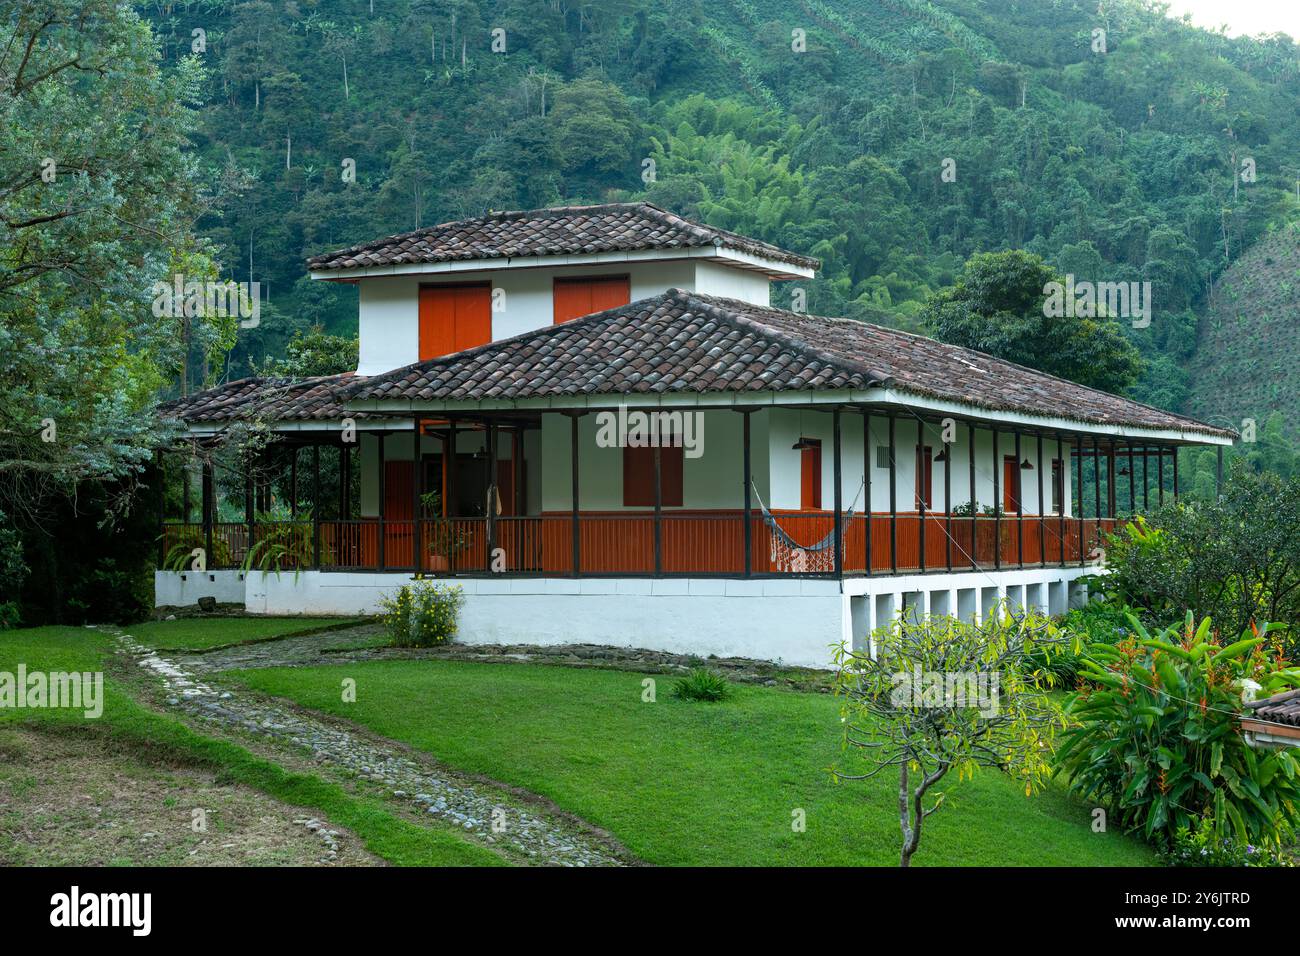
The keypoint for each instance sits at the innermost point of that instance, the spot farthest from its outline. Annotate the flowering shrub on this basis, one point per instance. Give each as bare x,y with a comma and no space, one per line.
1199,846
1159,740
423,614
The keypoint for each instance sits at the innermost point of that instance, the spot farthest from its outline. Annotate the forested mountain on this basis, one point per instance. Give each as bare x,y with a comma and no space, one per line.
892,138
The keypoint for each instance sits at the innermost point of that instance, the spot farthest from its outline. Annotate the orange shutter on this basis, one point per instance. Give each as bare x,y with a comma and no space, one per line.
1010,484
924,477
578,297
454,318
639,476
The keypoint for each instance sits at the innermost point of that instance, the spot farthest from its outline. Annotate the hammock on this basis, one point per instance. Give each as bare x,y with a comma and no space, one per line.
788,555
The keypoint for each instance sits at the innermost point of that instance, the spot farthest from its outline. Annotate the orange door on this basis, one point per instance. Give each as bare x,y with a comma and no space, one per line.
454,318
810,475
398,509
1010,485
578,297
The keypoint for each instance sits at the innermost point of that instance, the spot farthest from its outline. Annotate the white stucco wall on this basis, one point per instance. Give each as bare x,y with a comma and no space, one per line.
389,305
176,589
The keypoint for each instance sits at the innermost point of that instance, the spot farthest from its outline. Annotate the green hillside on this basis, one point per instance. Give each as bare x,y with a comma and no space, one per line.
823,125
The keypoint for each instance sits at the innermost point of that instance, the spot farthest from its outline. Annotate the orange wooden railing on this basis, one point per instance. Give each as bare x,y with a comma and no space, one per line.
690,542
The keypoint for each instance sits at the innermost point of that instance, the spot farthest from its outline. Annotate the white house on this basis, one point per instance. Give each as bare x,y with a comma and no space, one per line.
813,477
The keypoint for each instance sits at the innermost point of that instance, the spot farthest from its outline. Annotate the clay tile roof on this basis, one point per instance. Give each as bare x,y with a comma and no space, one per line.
686,342
269,399
560,230
1281,708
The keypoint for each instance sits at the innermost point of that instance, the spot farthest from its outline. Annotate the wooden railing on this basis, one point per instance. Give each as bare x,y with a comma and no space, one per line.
697,543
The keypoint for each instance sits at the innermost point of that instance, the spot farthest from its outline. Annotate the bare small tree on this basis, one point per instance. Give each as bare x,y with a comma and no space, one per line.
942,694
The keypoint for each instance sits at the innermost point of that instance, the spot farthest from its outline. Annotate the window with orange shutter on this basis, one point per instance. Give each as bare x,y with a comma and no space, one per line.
583,296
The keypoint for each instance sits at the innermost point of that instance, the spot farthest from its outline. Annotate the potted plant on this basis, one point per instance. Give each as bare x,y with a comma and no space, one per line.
443,538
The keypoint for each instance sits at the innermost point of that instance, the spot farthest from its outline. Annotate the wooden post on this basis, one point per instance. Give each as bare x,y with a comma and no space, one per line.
1218,471
1020,505
1173,458
893,500
747,478
449,489
160,471
866,485
382,558
492,495
838,539
1160,476
997,502
1078,462
417,489
1096,482
208,504
573,465
293,481
659,512
1111,504
1060,455
1042,508
922,505
1146,481
315,505
948,451
1132,480
974,500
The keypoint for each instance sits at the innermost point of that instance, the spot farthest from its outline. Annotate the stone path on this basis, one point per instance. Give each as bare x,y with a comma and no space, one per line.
341,647
495,817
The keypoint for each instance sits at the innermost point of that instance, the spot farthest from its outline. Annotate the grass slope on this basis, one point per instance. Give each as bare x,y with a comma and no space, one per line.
691,783
211,633
127,724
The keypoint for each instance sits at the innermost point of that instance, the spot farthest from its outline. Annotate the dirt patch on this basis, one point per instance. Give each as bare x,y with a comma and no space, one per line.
76,799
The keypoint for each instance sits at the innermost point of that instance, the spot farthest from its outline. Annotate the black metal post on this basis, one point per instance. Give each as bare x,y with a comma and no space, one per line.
383,563
749,507
315,505
838,539
893,500
1020,505
573,465
417,491
208,507
866,485
1042,510
974,500
997,502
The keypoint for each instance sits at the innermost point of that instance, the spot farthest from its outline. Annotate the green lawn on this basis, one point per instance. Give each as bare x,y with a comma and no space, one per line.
690,783
155,736
210,633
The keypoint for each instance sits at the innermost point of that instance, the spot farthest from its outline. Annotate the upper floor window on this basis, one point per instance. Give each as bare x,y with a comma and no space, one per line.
639,476
583,296
454,318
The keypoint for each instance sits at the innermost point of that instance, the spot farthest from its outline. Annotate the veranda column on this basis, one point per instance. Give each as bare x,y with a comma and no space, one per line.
1020,505
1110,481
208,505
1060,505
293,481
492,494
417,490
250,512
1146,480
1218,471
1077,449
747,478
893,499
573,466
838,539
997,502
1132,481
866,485
1042,509
659,512
449,483
947,509
160,472
1160,476
315,505
382,557
1173,459
974,502
1096,482
922,505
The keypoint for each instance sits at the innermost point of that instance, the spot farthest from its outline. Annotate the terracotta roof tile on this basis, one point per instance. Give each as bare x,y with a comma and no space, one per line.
1281,708
270,399
686,342
561,230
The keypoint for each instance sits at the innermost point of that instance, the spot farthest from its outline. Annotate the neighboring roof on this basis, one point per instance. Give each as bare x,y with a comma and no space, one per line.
1281,708
269,399
686,342
560,230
